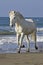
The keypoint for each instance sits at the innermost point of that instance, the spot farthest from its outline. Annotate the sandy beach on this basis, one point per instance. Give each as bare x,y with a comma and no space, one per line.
21,59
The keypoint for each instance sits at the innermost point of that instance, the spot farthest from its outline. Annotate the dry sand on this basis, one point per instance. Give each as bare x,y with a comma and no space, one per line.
21,59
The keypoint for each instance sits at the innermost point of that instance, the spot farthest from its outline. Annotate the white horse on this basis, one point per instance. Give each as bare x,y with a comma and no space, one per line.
22,27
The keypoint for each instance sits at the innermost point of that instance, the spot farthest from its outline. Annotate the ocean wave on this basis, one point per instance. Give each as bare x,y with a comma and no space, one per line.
40,29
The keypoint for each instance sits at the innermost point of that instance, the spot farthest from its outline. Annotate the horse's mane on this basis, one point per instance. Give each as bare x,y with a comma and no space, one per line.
19,15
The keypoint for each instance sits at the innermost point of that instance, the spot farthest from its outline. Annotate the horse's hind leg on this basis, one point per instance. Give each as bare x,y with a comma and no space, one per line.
35,43
34,38
28,45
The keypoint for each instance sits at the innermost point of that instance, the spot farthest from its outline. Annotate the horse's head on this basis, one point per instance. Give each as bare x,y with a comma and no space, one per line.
15,17
12,16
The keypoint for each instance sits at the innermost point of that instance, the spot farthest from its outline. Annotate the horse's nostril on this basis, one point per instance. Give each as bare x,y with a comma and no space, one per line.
14,17
12,25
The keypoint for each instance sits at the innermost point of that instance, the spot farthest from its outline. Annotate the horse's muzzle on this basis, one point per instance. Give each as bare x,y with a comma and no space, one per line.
12,26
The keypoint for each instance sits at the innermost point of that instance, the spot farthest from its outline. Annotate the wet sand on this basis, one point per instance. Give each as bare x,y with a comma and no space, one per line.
21,59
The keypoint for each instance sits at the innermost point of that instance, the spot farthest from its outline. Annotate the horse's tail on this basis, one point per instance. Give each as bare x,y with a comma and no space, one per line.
33,36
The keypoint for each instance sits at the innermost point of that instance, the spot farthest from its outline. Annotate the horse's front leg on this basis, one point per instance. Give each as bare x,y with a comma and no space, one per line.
18,38
20,41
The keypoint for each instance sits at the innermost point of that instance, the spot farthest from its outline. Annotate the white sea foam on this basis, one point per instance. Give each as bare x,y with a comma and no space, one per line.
40,29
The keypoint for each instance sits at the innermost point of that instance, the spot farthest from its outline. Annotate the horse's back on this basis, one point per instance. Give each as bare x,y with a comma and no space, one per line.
27,26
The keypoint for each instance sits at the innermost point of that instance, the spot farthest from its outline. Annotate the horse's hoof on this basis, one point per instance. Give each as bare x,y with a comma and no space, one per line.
18,51
22,46
36,47
28,50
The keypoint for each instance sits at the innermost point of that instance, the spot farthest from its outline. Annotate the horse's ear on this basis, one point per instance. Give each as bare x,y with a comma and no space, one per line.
9,12
14,11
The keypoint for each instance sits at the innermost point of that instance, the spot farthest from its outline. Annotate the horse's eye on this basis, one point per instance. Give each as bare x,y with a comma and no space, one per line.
14,11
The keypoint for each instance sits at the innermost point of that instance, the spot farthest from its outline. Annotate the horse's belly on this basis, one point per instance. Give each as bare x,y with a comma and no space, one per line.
28,31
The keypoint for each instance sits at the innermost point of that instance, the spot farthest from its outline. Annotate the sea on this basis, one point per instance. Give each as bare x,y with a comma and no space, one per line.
8,43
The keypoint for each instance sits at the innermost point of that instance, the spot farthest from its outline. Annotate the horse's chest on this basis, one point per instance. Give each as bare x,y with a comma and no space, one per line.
18,29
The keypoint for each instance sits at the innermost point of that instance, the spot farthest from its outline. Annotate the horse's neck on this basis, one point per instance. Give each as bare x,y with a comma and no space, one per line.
20,20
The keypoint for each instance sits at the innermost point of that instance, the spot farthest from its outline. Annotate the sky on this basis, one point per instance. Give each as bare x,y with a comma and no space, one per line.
28,8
